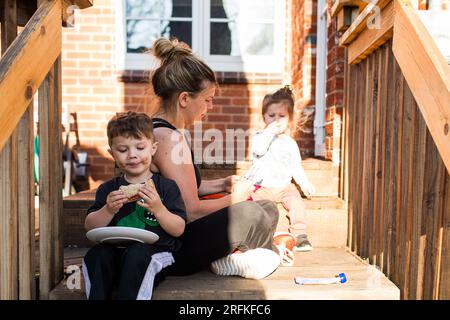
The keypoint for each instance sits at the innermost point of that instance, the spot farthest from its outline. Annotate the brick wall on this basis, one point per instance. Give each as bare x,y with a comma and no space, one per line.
96,90
303,67
335,92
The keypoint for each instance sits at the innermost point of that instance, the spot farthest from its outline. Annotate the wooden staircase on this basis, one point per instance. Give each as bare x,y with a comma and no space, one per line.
30,65
364,282
327,231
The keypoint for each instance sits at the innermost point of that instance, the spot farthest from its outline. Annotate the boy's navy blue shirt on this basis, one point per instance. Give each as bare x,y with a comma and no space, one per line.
133,215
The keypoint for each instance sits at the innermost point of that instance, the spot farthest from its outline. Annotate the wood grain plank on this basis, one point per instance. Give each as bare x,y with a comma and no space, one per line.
389,168
25,199
444,281
352,158
25,64
360,24
50,183
432,201
406,183
57,175
360,168
379,173
397,176
427,73
371,39
8,179
418,167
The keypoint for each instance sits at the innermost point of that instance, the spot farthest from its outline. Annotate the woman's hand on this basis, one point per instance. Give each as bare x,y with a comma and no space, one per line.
152,200
242,189
229,182
114,201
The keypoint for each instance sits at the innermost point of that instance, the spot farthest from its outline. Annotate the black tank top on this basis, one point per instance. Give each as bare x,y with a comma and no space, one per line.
161,123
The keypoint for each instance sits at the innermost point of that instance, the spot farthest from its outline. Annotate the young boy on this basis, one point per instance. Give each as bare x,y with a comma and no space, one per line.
159,209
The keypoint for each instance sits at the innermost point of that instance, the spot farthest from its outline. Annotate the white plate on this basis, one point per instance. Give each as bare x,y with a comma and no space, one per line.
121,236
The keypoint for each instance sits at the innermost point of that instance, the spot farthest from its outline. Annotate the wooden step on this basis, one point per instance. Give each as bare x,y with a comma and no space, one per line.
326,227
363,282
316,203
75,207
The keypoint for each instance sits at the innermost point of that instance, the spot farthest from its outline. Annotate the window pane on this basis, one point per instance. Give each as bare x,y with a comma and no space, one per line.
225,9
221,38
248,9
142,33
258,9
258,39
158,9
236,40
180,29
182,8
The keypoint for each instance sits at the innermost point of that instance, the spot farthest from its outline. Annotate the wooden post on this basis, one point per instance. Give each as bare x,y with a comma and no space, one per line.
50,183
25,197
50,178
25,187
8,180
444,281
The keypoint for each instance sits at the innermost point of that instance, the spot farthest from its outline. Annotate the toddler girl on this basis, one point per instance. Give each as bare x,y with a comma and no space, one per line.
276,161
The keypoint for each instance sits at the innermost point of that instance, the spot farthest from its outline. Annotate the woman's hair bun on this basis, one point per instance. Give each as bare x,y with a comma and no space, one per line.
166,49
287,89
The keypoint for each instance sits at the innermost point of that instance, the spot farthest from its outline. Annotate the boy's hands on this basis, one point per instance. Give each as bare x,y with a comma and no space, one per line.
152,201
115,200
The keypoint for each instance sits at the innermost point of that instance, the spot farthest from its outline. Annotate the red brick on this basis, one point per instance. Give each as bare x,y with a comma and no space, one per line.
218,118
234,110
240,102
77,37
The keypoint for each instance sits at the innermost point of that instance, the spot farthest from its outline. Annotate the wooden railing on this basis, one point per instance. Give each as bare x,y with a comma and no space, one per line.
31,63
396,158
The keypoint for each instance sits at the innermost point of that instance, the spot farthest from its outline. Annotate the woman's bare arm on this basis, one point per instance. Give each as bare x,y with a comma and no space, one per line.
173,160
211,186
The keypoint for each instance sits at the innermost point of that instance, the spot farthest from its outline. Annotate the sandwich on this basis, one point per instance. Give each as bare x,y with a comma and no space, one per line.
132,190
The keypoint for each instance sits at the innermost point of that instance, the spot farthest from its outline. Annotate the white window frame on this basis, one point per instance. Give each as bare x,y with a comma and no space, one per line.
201,43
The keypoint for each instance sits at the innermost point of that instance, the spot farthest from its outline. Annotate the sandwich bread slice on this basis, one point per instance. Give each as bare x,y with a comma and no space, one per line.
132,190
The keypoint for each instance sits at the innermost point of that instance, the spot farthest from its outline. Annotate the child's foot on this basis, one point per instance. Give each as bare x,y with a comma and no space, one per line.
303,244
285,242
252,264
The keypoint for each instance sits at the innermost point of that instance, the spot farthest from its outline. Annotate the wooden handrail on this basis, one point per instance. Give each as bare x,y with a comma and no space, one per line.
371,39
426,72
25,64
339,4
359,25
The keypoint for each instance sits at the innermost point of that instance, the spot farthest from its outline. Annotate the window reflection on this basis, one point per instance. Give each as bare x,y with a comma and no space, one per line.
147,20
242,27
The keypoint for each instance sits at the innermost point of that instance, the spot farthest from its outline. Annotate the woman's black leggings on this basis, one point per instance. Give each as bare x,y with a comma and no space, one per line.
245,225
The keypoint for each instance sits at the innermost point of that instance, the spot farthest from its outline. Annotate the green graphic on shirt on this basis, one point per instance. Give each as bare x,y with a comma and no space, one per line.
138,219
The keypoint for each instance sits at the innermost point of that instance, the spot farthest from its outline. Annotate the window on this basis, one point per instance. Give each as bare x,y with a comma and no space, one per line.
229,35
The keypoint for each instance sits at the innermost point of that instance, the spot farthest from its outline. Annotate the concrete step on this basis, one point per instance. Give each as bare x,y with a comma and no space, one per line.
324,203
364,282
326,227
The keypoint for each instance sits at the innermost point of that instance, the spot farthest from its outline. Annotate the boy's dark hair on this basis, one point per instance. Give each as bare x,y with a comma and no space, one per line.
130,124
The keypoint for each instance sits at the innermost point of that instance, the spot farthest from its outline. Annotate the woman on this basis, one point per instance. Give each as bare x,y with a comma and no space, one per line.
231,235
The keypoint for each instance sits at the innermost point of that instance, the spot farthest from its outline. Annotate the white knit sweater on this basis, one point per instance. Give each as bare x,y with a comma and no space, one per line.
276,160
